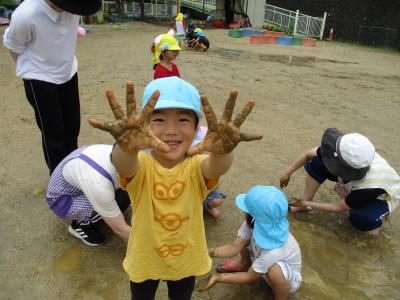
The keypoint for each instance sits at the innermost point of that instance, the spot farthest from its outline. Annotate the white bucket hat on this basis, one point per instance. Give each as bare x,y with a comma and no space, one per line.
347,156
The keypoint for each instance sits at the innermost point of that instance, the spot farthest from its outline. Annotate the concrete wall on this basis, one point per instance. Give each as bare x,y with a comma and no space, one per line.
347,17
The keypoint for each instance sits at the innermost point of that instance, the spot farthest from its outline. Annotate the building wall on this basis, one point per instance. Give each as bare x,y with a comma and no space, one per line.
256,12
354,20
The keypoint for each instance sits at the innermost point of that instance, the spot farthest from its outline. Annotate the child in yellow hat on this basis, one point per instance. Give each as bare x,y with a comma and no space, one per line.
168,50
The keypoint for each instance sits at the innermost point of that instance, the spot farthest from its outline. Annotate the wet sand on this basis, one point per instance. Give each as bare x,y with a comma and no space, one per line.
298,91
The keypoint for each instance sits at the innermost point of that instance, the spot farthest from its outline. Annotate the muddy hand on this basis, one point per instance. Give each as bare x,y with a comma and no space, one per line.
284,181
131,131
224,135
297,202
211,282
211,252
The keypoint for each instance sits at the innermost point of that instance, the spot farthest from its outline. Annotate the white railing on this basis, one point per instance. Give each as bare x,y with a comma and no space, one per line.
162,9
159,10
208,6
132,9
294,21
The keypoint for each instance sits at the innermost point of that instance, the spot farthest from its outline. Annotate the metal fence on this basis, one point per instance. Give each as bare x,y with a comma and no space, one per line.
294,21
206,6
162,10
379,36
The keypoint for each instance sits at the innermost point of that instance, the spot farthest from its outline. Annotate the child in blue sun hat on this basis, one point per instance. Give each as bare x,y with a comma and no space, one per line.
168,183
266,247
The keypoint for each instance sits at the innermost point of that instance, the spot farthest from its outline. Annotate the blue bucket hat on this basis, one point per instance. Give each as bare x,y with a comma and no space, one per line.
268,206
174,93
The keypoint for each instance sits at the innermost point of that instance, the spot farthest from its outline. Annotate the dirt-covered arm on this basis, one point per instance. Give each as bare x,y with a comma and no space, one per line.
222,137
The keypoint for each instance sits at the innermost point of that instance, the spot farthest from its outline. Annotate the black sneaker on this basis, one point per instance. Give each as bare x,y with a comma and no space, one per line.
87,232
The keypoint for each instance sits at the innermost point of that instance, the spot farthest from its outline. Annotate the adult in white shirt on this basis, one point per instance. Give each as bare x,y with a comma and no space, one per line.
42,40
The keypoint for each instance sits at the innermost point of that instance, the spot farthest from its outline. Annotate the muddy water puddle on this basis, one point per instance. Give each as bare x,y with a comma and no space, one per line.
68,260
290,60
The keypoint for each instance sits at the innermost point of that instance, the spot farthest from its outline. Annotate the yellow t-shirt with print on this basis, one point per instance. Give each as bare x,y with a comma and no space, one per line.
167,240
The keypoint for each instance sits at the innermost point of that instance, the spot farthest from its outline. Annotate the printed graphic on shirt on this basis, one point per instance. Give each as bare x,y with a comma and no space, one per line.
171,221
174,250
164,192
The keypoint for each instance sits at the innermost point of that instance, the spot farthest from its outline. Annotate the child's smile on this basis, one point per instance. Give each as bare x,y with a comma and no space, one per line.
176,128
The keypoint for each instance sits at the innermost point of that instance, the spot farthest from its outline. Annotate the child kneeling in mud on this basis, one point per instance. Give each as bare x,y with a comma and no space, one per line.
166,185
266,247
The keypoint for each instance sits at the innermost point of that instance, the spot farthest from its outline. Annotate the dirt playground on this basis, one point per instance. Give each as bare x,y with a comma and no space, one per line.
299,92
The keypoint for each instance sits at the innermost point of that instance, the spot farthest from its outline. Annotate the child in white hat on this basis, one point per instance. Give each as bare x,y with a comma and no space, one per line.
266,247
368,185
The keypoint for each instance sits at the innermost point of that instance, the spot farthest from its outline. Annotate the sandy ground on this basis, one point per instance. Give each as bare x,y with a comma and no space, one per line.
298,91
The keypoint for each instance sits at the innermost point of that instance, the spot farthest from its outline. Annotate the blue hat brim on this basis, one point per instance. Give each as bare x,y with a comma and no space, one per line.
240,203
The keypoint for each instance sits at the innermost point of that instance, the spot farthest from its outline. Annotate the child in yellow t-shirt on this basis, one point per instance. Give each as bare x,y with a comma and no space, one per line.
167,186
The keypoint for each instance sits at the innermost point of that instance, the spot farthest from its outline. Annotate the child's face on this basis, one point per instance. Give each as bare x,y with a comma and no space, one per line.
171,54
176,128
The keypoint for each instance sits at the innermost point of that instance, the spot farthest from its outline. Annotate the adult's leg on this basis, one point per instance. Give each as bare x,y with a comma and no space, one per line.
181,289
145,290
45,100
70,109
279,285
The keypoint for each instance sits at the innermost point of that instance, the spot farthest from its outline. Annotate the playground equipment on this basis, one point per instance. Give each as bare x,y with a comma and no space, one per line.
250,32
234,33
282,40
263,39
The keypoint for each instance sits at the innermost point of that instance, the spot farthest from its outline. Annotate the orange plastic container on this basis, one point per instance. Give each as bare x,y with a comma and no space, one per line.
262,39
308,42
274,33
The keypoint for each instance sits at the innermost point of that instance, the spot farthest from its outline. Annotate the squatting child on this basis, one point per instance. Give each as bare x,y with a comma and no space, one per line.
368,186
166,185
266,247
